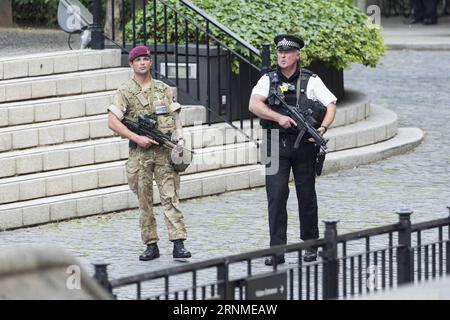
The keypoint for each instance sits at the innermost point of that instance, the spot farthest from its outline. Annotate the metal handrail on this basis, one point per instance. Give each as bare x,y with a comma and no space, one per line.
215,262
272,250
368,233
330,262
220,26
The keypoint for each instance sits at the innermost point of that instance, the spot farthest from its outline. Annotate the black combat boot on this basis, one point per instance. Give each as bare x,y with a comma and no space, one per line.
152,252
269,260
310,255
179,251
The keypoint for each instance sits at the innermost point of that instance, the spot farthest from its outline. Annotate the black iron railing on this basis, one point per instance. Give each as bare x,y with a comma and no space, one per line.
209,64
350,265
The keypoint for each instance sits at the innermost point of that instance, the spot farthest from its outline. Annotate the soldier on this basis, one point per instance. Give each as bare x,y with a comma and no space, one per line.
298,86
143,95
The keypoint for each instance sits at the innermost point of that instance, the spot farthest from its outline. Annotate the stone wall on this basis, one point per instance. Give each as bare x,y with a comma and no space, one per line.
46,274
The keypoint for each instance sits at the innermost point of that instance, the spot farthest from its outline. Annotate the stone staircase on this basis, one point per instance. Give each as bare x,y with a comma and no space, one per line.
59,160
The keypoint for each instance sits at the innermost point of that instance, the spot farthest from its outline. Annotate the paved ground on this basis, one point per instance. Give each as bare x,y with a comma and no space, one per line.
418,36
21,41
412,83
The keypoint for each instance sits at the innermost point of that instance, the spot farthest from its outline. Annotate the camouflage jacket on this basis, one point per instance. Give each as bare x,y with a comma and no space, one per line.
130,101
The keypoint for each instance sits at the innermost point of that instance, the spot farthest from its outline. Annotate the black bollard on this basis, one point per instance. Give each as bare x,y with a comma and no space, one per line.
330,280
101,275
404,252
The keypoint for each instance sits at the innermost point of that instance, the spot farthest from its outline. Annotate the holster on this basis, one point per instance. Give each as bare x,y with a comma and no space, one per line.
320,159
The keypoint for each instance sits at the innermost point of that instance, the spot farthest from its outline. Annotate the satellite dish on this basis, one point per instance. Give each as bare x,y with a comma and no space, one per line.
73,17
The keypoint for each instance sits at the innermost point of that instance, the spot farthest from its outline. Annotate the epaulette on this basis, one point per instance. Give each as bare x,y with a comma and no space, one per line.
273,76
308,73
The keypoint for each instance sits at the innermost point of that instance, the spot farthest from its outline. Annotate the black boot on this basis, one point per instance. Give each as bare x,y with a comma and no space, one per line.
310,255
269,260
152,252
179,251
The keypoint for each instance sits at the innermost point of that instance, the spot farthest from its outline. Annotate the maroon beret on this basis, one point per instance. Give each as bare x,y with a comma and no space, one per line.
137,52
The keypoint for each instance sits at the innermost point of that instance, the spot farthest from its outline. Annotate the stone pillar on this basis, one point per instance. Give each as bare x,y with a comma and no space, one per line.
6,13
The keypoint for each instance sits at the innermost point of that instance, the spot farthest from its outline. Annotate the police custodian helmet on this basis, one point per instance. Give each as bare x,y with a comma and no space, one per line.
288,42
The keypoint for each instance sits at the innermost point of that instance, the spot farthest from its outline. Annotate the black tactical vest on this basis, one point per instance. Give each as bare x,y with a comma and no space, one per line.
290,97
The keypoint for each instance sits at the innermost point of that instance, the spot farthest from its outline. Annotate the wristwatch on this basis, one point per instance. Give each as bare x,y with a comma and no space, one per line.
325,127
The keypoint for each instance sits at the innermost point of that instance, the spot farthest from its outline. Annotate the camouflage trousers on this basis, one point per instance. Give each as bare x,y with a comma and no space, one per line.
141,166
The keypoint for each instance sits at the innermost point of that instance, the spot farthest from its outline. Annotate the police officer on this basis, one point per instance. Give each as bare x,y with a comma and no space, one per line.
281,127
143,95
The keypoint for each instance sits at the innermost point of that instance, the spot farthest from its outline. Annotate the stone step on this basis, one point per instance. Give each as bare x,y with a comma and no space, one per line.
69,155
77,129
63,85
62,156
381,125
60,108
103,175
53,109
404,141
80,204
58,62
355,107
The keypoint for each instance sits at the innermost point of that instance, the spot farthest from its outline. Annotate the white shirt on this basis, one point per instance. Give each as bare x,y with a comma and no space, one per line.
315,90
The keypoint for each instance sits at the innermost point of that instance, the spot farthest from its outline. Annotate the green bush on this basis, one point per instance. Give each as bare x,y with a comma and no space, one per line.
38,12
334,31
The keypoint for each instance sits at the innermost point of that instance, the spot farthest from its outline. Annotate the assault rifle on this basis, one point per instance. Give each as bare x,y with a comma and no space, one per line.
305,124
146,126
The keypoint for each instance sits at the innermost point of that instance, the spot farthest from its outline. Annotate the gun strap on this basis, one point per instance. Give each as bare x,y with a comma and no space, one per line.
299,138
151,95
302,83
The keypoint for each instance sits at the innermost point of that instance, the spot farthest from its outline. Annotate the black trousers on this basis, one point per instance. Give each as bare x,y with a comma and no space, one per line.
302,162
425,9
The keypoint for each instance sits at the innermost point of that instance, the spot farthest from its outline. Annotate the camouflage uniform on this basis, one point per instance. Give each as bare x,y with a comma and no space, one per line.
130,101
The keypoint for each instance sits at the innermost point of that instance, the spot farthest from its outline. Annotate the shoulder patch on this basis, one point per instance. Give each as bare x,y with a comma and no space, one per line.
273,76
